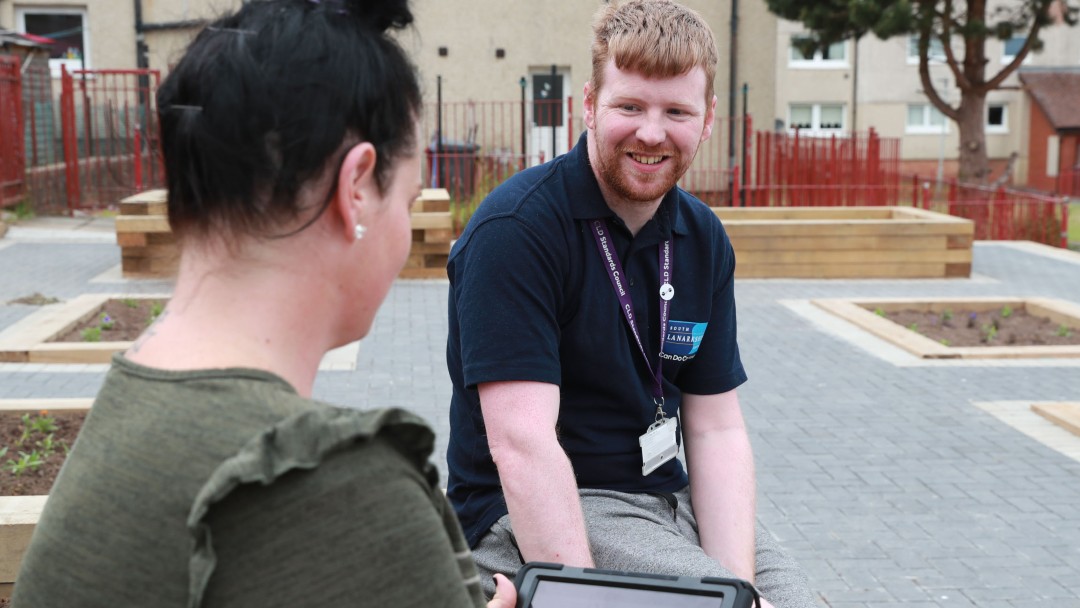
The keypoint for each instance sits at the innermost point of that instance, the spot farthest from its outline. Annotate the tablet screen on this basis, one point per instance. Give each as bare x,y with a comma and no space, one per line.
559,594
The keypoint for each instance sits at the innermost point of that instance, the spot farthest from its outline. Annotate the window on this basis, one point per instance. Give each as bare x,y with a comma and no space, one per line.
817,118
997,118
936,52
832,56
925,118
66,27
1012,47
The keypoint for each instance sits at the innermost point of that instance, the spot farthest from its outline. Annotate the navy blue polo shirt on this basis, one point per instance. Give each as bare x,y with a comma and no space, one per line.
530,299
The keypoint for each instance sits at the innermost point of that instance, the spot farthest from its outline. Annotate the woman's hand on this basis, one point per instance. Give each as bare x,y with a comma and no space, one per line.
505,593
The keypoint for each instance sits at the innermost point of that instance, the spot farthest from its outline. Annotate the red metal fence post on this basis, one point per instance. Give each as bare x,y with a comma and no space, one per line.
70,139
569,123
138,159
1064,222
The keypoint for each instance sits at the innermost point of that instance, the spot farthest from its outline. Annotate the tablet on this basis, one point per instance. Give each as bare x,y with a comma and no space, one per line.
543,585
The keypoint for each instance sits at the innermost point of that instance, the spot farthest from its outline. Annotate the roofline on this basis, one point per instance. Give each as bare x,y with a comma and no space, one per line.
1065,69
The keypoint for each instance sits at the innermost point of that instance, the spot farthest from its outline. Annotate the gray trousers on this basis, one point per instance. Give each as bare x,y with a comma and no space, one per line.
641,533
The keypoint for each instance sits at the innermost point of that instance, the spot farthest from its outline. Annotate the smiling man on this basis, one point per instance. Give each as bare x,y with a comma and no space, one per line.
592,332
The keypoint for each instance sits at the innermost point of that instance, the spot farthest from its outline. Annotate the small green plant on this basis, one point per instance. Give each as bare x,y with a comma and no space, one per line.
49,445
106,322
42,429
945,342
25,463
23,211
990,331
946,317
130,302
1063,331
879,312
42,423
91,334
1006,311
155,311
914,327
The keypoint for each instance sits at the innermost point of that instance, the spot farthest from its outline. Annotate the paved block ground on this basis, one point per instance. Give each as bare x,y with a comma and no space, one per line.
895,482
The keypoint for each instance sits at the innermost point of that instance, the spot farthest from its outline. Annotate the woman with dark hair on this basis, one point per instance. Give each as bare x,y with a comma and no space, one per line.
205,475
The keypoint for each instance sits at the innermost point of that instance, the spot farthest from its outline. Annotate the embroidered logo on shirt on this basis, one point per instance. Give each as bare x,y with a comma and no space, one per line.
682,340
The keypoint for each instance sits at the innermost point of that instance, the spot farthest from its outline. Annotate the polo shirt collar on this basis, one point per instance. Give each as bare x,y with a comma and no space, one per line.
590,204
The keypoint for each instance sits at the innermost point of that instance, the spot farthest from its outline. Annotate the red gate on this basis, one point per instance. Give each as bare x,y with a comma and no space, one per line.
110,135
12,147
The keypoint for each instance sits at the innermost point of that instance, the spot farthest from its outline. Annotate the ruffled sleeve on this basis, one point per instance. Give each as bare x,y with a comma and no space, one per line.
299,442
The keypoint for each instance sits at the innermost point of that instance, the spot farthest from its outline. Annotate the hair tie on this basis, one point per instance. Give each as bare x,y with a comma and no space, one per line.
232,30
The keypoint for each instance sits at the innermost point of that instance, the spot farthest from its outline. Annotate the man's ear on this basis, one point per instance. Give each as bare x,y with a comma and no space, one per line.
710,118
590,106
356,187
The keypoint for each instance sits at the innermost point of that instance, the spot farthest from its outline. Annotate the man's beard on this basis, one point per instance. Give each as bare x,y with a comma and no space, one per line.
656,185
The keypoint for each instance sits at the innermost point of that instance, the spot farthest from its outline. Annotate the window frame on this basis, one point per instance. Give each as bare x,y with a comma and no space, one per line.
913,50
817,62
925,128
996,129
1006,58
815,130
55,64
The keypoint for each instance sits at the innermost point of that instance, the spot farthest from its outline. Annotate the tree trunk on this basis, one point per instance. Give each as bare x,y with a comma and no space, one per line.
974,163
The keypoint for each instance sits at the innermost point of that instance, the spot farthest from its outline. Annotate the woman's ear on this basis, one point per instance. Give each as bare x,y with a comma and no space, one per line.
356,187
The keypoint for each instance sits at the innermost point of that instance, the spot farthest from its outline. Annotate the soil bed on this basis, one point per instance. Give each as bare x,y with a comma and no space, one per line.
129,318
39,480
986,328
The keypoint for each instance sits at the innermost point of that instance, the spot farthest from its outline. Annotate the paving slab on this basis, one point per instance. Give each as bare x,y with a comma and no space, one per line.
894,480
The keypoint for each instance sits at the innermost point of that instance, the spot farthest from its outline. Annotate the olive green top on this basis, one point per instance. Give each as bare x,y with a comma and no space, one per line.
226,488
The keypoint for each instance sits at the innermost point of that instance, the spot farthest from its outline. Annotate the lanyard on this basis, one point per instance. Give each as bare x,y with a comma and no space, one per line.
610,258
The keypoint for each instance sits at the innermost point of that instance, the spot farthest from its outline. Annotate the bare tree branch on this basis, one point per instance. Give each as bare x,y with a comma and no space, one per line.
928,85
962,81
1000,77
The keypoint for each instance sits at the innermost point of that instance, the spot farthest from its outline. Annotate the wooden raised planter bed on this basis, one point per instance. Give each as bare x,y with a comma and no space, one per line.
1065,414
432,232
27,341
19,514
860,312
148,248
847,242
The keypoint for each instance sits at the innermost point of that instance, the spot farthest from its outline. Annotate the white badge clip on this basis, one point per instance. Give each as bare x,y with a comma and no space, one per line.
658,443
667,292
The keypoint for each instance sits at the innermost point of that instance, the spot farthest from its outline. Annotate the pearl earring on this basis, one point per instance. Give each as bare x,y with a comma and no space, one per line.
359,231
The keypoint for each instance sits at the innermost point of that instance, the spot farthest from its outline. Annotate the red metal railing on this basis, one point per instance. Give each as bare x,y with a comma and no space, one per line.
796,170
110,135
716,174
13,152
483,143
998,213
473,146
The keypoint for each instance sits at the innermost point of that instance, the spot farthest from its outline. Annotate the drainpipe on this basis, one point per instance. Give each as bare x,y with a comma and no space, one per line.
733,51
142,60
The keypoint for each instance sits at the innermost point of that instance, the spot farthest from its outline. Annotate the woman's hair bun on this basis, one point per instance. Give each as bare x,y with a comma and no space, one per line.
381,14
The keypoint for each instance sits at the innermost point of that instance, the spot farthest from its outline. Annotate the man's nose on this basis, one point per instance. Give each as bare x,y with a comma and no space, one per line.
651,130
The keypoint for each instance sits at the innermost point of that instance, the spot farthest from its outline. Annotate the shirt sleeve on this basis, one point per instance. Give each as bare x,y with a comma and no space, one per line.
506,284
363,528
718,368
329,506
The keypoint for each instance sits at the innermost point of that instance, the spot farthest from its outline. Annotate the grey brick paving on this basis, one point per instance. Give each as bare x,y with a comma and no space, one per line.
884,480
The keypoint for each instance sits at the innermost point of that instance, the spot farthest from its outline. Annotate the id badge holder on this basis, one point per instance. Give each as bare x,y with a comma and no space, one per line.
658,444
